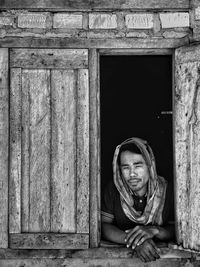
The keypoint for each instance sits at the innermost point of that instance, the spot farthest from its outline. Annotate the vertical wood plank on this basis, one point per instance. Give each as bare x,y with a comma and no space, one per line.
187,140
83,152
25,194
94,148
15,153
38,84
63,190
4,147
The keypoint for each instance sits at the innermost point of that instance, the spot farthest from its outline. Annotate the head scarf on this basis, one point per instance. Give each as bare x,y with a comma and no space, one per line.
156,191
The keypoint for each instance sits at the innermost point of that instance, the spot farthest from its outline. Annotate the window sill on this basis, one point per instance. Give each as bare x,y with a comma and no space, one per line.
105,251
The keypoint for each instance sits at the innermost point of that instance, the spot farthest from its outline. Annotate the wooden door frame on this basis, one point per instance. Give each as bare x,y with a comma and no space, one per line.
114,52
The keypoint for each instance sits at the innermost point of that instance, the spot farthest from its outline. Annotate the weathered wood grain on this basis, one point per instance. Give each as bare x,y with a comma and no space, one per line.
4,126
49,241
38,84
15,152
136,51
49,58
94,105
96,4
63,180
83,152
25,184
139,43
187,149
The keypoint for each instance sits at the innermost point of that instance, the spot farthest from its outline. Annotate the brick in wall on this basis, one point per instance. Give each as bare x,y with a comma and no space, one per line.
6,21
139,21
68,21
102,21
32,20
173,20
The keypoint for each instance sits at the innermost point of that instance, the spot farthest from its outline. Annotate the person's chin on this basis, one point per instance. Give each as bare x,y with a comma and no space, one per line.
134,187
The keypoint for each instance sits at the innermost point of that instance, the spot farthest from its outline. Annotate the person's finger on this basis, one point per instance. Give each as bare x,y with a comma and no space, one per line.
139,242
138,238
131,232
140,255
147,255
132,238
153,252
154,246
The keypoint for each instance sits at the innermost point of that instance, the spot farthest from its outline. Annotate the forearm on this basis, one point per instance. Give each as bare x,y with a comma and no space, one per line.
164,233
112,233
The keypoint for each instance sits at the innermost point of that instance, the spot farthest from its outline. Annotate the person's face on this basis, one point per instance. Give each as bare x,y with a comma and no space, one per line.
135,171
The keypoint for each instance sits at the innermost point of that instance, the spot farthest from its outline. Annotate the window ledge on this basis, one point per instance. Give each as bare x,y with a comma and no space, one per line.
103,252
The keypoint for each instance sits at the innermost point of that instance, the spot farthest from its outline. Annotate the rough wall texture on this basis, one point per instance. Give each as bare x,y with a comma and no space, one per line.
22,23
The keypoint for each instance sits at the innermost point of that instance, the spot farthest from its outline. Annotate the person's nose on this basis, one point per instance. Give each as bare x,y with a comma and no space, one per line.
132,173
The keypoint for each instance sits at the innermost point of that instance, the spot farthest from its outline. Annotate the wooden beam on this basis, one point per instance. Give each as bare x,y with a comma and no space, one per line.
49,241
49,58
139,43
4,126
95,4
94,148
118,52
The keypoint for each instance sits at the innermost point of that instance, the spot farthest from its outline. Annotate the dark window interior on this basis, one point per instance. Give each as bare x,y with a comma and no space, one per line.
135,93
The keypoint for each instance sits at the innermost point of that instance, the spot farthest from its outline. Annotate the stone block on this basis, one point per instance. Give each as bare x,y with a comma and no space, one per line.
70,21
137,35
173,34
32,20
6,21
173,20
139,21
102,21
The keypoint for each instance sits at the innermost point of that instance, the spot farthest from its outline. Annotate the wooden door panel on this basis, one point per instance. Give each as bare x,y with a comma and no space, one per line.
49,151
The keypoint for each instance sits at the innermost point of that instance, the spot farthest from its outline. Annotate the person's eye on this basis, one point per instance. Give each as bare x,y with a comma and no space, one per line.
139,166
125,168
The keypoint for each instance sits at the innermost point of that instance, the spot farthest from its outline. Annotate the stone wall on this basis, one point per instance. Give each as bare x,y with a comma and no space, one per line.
124,24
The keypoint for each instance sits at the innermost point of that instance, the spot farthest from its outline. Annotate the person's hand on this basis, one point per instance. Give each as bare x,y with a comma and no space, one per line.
147,251
137,235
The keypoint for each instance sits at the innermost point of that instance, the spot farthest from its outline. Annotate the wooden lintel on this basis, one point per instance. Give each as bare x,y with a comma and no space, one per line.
151,51
117,43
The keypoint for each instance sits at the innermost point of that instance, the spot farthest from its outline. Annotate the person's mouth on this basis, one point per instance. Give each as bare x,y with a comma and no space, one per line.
134,181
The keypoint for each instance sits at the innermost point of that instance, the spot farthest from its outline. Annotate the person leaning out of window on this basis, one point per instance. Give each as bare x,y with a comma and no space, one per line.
137,208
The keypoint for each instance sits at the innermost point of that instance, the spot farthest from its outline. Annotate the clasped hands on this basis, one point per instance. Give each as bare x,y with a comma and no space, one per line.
140,239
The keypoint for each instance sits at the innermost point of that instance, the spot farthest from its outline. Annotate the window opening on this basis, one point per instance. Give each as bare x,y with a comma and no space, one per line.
136,101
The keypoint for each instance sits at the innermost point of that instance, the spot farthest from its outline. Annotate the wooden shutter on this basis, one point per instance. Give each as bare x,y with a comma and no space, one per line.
187,145
49,149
